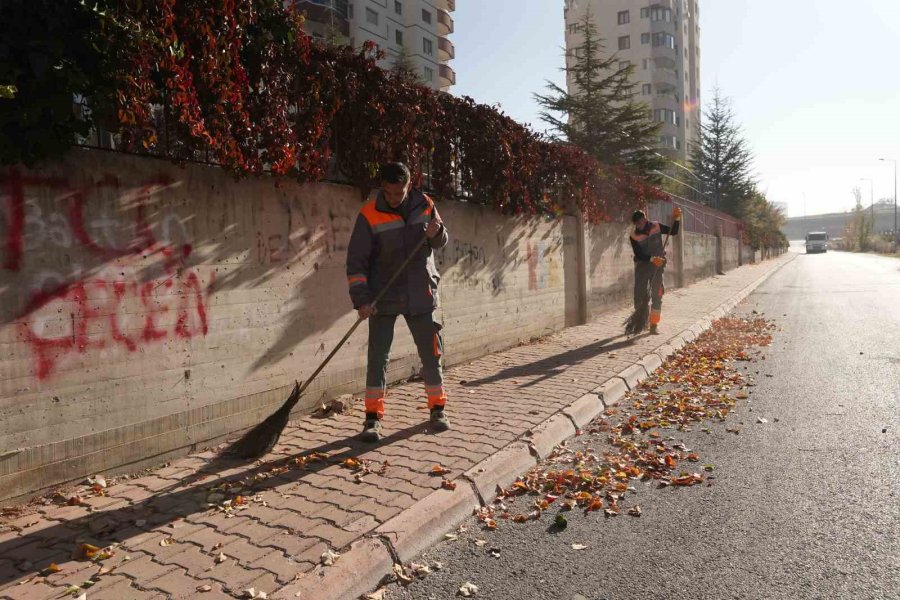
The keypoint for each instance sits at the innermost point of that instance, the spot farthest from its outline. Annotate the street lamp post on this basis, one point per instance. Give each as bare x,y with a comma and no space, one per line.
896,236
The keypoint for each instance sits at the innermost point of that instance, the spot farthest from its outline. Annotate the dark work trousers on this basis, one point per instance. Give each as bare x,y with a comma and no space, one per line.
427,336
648,279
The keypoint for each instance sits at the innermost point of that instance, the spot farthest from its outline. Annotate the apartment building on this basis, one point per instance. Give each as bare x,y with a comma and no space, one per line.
417,28
661,38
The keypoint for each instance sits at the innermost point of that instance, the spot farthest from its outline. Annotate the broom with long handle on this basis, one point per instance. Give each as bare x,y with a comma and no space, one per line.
637,322
262,438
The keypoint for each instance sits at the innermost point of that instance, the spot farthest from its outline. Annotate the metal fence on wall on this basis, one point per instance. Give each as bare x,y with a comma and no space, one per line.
697,218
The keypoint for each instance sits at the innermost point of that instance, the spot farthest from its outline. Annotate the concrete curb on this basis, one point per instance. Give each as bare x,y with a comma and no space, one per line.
500,469
585,409
551,432
355,573
424,523
419,527
633,375
611,392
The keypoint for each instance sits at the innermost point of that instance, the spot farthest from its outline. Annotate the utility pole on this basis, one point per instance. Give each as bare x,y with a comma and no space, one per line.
896,233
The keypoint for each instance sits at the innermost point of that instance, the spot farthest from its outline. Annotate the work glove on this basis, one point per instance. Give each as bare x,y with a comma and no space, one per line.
657,261
676,214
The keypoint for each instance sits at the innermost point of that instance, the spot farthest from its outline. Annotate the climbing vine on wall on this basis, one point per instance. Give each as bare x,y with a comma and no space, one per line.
238,83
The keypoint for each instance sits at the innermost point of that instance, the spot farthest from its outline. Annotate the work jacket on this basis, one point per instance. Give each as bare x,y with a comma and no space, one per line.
648,242
381,240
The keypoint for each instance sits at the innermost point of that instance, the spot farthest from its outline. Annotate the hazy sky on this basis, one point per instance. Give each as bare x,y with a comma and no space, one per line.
815,84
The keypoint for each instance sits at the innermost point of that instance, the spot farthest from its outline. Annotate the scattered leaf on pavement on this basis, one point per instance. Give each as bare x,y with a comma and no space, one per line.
468,589
401,574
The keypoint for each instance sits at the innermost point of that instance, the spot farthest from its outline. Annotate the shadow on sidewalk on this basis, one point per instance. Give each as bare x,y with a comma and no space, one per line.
550,367
182,499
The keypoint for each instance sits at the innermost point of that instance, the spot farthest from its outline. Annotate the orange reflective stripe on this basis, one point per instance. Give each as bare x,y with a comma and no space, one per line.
375,406
655,317
375,217
437,345
357,280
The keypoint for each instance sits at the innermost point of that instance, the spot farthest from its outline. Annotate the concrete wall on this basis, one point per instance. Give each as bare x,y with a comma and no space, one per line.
747,255
147,309
731,250
610,267
699,256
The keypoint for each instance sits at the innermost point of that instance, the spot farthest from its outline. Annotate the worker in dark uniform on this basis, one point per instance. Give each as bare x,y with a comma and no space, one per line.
649,265
388,229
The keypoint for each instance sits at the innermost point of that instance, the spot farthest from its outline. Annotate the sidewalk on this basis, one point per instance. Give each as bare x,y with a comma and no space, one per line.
270,522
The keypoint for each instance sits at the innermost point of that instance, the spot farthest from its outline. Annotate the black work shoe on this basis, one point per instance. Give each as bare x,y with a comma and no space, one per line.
654,330
372,429
439,421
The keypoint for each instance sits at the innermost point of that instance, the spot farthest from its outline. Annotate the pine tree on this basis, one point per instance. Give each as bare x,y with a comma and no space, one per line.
404,66
722,160
601,115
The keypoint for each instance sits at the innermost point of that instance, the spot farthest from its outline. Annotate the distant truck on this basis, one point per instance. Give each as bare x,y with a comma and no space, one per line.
816,241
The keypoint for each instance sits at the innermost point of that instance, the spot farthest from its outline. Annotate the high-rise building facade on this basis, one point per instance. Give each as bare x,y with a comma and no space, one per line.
418,29
661,38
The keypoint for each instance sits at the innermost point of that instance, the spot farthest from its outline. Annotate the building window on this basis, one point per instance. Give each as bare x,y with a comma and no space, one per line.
427,47
429,74
646,63
371,16
625,42
398,7
647,89
670,141
663,39
664,115
398,36
624,17
573,27
426,16
645,12
645,38
624,64
661,14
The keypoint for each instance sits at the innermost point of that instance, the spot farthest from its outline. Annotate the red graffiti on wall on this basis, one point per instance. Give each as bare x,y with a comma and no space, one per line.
78,314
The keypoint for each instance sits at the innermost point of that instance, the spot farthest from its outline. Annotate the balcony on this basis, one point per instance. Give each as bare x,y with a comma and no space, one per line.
447,76
664,79
444,23
327,14
448,5
446,51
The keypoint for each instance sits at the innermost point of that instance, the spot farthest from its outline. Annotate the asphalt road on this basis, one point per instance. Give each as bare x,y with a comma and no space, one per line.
807,507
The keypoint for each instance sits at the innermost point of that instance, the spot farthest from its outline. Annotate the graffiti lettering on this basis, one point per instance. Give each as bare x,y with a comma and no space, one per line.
89,287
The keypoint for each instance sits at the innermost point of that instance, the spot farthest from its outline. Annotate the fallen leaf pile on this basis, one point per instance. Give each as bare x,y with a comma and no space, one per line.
698,384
